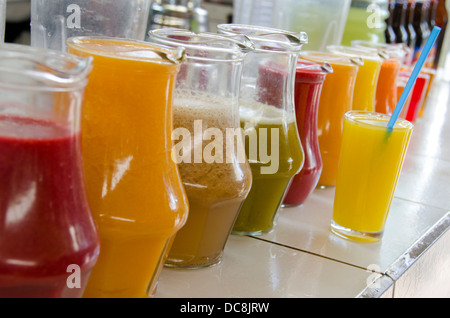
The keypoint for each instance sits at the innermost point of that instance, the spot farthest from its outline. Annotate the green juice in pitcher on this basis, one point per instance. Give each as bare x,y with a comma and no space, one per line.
275,155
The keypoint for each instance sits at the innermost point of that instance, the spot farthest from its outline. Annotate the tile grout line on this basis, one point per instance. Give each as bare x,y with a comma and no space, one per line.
422,203
312,253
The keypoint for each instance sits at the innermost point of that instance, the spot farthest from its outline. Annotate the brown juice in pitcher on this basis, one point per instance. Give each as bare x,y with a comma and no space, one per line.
216,189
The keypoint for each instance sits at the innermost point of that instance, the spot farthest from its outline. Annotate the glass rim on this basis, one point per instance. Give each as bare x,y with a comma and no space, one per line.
360,117
328,57
236,45
50,69
394,50
166,54
322,68
350,51
285,41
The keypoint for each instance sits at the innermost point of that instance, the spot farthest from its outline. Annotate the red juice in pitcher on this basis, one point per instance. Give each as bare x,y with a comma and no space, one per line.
48,239
308,87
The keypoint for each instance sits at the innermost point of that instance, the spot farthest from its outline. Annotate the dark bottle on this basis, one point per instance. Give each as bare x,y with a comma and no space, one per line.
432,11
398,22
389,33
431,24
409,20
441,21
420,26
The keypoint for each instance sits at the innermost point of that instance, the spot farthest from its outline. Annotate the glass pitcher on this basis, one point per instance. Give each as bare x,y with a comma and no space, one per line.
267,112
55,21
48,239
364,97
336,99
133,185
309,81
395,57
209,147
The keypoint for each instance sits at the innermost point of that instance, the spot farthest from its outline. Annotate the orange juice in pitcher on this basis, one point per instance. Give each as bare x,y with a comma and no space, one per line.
133,185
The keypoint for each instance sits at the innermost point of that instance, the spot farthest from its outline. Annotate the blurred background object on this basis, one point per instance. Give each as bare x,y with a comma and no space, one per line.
2,19
55,21
17,27
181,14
366,21
326,22
323,20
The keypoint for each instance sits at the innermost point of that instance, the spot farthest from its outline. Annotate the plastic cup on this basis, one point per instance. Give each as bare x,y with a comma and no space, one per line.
401,85
432,73
369,169
54,21
417,96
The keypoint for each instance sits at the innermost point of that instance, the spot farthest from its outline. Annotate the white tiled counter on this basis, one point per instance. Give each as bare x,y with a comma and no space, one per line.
302,258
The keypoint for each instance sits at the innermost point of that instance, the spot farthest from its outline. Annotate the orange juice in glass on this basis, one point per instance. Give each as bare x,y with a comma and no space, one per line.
336,99
369,169
133,185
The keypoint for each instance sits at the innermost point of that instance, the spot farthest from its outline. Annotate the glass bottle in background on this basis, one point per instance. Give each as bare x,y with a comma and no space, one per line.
421,27
267,111
398,22
47,229
133,185
389,33
431,20
409,20
441,21
213,166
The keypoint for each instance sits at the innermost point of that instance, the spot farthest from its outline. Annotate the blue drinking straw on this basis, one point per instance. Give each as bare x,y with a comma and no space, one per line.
413,77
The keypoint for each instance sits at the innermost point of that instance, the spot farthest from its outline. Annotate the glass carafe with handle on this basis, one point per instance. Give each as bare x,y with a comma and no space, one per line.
133,185
267,114
48,238
309,81
209,148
